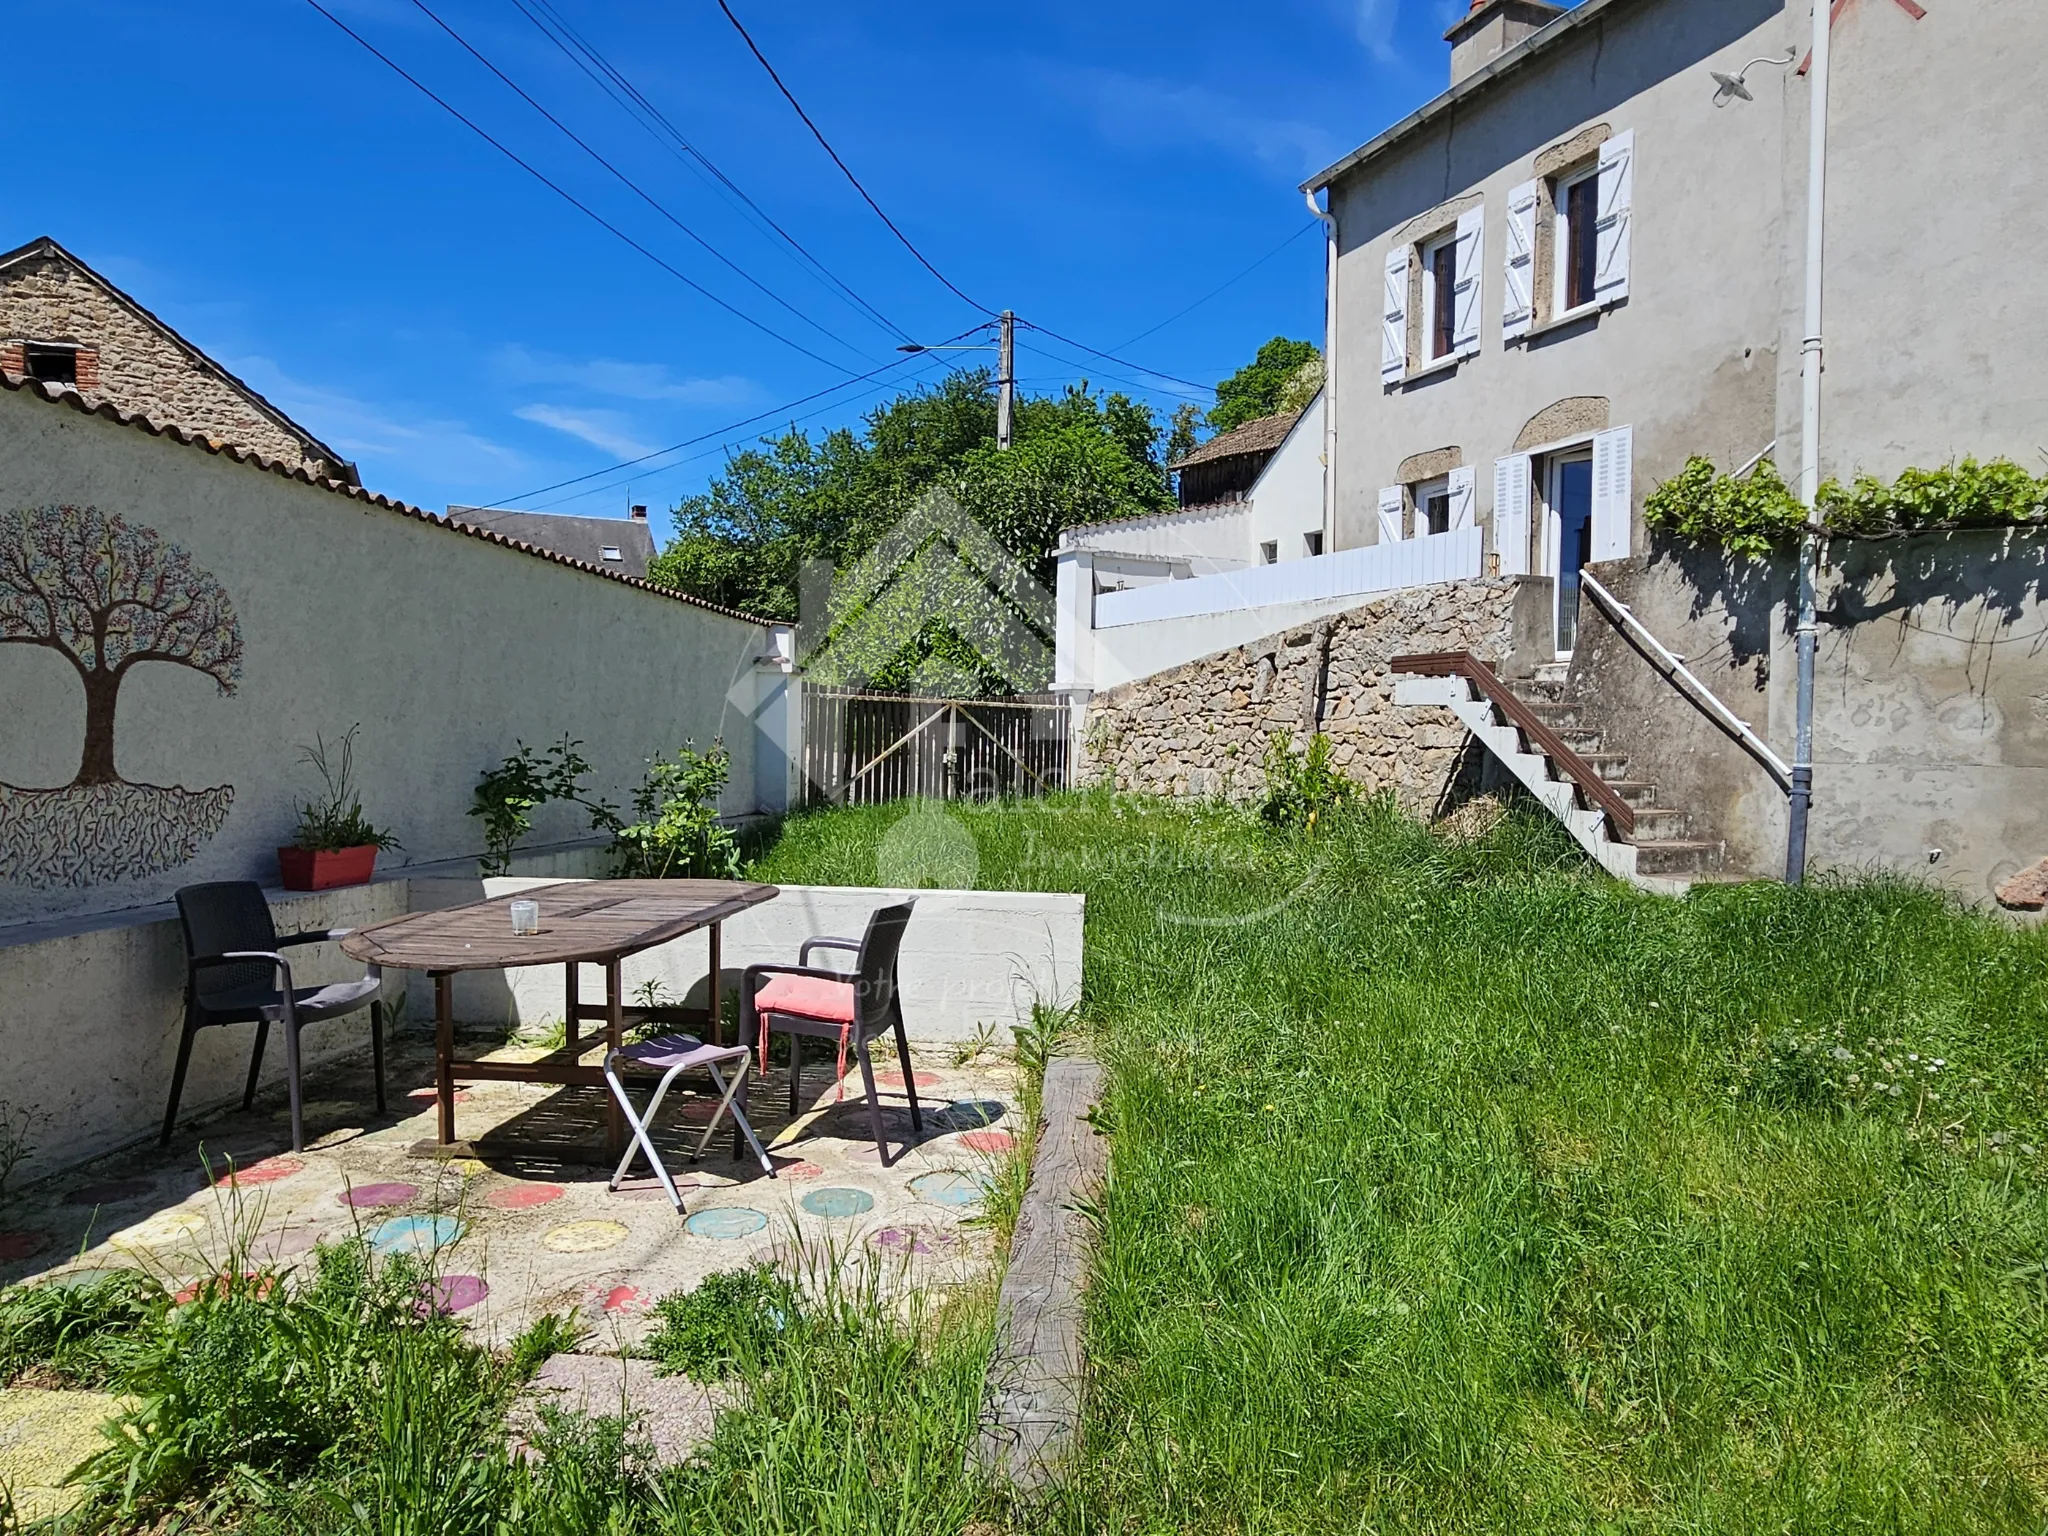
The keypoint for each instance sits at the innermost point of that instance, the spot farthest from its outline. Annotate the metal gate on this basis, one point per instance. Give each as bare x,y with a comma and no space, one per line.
871,748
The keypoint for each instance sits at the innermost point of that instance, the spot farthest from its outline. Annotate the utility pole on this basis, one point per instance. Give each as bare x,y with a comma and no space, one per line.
1006,376
1810,358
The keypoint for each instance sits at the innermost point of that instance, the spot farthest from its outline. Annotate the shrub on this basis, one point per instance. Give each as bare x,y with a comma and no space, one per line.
506,797
676,833
736,1319
1302,787
1750,514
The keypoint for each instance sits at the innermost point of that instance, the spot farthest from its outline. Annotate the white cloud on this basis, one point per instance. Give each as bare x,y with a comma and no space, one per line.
620,379
1375,22
383,438
601,429
1159,114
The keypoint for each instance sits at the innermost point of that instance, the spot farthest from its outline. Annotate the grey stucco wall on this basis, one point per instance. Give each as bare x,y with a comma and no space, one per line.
1931,700
445,647
1937,225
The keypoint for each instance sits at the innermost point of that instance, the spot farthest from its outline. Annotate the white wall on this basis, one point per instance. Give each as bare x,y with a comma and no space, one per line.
90,1007
1286,501
1209,539
446,647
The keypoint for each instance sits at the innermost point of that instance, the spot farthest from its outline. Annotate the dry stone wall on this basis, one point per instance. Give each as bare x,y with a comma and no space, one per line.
1200,731
140,370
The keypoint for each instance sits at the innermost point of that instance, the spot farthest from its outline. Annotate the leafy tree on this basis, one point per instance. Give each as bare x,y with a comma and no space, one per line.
1188,422
1076,457
1270,382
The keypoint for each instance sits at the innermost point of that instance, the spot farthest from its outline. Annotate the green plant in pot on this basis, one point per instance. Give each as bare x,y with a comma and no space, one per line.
335,843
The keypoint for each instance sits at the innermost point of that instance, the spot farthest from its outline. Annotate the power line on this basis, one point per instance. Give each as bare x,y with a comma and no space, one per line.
569,197
1205,298
691,442
844,170
1114,378
1121,362
634,103
627,181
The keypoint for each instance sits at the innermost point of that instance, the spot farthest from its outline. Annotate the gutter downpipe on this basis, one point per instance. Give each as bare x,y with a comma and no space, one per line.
1810,360
1329,221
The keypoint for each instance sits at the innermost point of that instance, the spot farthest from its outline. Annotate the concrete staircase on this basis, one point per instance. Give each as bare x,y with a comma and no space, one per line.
1658,852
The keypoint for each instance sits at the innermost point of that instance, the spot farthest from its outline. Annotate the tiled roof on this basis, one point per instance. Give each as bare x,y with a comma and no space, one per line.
1260,436
63,394
47,249
581,538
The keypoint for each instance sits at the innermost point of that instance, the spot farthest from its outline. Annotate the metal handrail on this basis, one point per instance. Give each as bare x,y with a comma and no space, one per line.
1701,694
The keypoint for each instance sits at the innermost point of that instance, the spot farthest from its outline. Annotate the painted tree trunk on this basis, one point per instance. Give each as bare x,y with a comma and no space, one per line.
96,762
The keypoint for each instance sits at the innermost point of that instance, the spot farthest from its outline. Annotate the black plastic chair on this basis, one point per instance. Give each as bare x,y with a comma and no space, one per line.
235,974
804,1000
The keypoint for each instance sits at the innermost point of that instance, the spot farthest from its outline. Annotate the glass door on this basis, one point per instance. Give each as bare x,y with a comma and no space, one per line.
1568,538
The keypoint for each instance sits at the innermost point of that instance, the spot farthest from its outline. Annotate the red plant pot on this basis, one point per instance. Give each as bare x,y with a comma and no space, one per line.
307,869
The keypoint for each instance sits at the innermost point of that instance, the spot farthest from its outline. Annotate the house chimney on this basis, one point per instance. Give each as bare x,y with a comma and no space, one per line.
1491,28
639,514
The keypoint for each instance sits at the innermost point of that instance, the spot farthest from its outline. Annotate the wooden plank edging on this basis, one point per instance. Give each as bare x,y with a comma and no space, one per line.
1031,1412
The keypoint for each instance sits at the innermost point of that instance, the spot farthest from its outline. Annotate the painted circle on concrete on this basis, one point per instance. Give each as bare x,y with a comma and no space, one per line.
165,1227
370,1197
523,1197
724,1223
988,1141
21,1245
623,1298
895,1079
948,1186
284,1243
269,1171
113,1192
838,1202
468,1167
802,1170
913,1239
585,1237
419,1235
458,1293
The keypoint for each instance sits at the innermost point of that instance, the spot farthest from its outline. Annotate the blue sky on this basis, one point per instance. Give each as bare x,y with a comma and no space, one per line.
297,209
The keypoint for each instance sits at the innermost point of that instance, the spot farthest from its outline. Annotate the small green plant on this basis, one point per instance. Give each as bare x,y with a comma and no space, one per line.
1302,787
506,797
676,833
76,1334
334,819
550,1334
737,1319
1753,513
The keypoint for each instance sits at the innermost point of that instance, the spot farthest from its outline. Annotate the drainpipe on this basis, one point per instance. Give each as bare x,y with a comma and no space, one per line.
1329,221
1810,358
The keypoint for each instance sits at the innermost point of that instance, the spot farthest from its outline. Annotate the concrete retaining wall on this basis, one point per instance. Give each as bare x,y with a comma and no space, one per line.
90,1007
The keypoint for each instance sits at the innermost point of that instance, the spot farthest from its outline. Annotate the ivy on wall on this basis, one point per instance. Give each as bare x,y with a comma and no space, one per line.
1752,513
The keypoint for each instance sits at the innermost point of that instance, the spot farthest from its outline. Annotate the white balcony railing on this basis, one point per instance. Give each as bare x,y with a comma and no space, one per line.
1422,562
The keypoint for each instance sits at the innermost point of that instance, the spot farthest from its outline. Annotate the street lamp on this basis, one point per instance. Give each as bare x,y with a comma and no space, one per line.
1005,349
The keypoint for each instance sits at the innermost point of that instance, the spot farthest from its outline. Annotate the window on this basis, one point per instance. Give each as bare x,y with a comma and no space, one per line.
1440,296
1312,543
51,364
1577,257
1433,506
611,552
1269,552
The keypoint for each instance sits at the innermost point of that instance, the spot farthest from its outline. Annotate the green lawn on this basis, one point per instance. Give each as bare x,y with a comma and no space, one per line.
1456,1188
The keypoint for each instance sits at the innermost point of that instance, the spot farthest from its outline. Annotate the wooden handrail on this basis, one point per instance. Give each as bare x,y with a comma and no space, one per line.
1597,791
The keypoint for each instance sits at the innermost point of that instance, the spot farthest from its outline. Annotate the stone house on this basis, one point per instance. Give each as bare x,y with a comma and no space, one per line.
1584,262
63,323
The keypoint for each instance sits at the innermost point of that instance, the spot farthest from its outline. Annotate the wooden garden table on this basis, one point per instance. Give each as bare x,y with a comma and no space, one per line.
582,922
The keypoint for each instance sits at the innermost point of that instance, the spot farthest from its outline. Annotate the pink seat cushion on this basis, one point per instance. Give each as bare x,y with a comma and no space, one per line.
808,997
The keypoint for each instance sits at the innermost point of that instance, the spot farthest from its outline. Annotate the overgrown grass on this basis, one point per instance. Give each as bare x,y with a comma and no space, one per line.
1455,1188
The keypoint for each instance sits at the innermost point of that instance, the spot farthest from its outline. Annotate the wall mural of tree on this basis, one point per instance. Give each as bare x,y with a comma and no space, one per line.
107,595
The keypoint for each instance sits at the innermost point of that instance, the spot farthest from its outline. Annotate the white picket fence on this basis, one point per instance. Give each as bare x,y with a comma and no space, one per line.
1387,567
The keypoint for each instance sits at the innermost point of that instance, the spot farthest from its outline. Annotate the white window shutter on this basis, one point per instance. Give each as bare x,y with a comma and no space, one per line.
1511,513
1393,502
1518,307
1394,327
1463,485
1617,198
1465,301
1613,492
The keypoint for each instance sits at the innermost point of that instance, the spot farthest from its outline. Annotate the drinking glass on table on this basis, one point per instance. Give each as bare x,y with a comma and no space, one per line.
525,917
